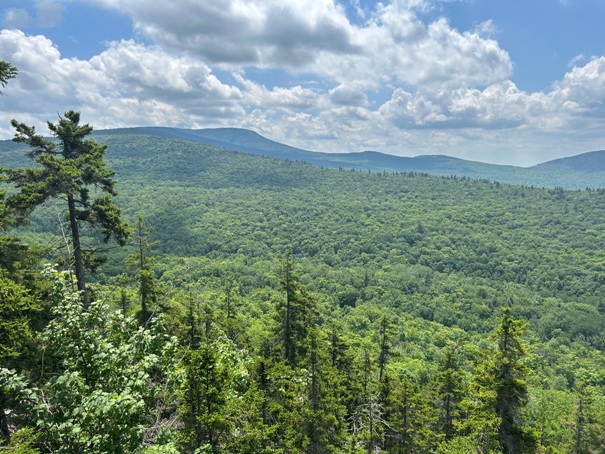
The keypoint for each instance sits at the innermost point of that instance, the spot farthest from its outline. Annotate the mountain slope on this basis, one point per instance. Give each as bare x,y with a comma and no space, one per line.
586,170
577,172
592,162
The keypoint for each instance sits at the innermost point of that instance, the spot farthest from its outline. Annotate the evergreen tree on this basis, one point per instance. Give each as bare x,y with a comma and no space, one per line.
211,365
75,171
143,262
588,436
502,389
385,335
288,283
231,321
409,419
367,419
324,415
7,72
449,392
339,355
297,315
204,399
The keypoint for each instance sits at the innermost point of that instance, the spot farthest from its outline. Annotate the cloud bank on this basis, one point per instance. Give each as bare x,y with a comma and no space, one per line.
390,81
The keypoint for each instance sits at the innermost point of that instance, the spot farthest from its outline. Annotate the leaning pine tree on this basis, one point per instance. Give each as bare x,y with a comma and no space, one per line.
73,170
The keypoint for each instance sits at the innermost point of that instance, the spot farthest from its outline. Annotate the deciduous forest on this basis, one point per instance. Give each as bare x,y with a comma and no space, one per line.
160,296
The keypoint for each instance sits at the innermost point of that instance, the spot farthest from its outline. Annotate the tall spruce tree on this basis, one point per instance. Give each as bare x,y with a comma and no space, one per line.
385,336
142,262
73,170
502,387
297,314
587,422
449,392
409,419
212,367
324,415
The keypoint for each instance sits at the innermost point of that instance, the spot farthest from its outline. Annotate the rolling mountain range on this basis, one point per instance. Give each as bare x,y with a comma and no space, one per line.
577,172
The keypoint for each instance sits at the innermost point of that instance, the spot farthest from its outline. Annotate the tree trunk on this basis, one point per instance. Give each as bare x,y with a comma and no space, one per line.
5,433
77,251
579,426
287,330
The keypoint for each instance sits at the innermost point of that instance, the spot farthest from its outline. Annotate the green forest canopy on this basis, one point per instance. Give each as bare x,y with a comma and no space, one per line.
438,257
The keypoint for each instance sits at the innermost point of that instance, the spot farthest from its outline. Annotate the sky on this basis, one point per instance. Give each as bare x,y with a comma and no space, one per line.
501,81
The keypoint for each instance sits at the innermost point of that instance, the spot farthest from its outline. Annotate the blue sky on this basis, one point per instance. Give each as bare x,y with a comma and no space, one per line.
509,82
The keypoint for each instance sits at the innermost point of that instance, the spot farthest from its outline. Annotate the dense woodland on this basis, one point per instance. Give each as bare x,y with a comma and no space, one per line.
257,305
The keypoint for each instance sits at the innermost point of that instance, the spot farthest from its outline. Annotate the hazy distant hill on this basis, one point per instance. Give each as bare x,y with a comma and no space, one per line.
577,172
592,163
250,142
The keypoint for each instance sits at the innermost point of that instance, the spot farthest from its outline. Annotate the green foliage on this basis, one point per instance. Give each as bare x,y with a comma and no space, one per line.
111,373
587,421
7,72
69,171
450,391
502,392
296,315
16,306
212,372
142,262
410,420
22,442
350,344
21,314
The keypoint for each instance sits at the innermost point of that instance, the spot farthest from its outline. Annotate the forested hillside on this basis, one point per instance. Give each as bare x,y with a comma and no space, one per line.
586,170
272,306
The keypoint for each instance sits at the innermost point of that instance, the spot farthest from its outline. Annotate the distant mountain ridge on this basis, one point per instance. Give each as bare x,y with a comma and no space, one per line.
247,141
593,161
582,171
576,172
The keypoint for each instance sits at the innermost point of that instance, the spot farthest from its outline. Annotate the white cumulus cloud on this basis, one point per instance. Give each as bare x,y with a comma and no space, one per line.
391,80
126,85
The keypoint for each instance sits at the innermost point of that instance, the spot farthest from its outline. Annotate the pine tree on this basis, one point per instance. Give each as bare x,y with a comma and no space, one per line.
367,418
324,415
142,262
409,419
587,424
297,315
7,72
502,389
72,170
449,392
204,399
231,321
385,335
205,393
339,356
